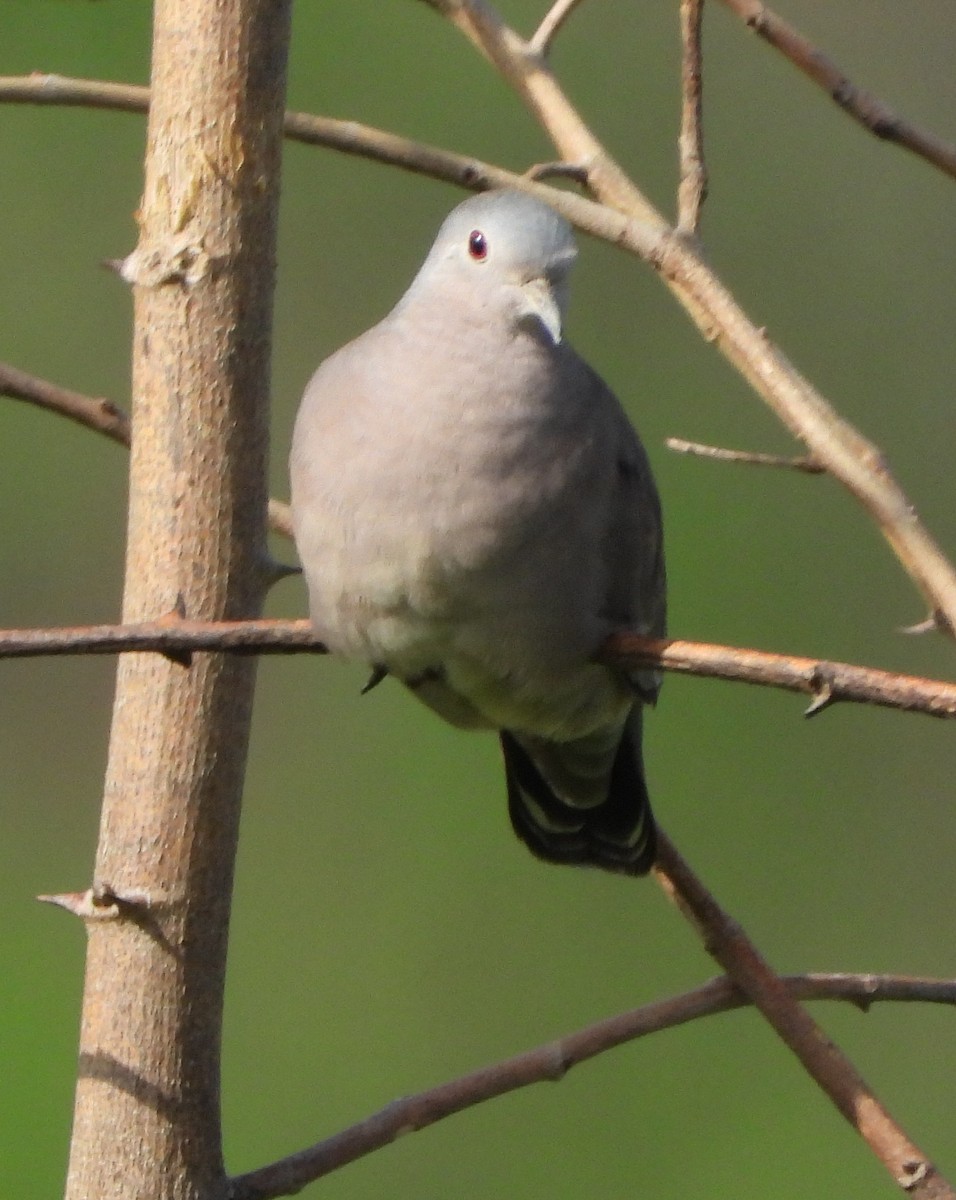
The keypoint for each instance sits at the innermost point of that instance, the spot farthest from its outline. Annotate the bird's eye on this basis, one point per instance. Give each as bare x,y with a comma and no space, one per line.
477,245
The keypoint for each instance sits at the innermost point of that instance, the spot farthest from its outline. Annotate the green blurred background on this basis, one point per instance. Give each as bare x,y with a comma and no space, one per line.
389,932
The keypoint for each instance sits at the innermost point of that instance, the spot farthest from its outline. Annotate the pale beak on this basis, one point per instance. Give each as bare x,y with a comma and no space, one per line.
542,302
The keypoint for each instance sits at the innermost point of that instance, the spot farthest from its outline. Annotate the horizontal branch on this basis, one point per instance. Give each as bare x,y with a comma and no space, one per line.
855,101
551,1062
824,681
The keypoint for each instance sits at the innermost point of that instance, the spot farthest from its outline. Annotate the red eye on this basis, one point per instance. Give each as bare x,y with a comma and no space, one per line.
477,245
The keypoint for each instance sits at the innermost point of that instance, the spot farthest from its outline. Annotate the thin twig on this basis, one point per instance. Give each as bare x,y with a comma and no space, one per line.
543,37
692,190
100,415
94,412
552,1061
727,943
825,682
858,103
750,457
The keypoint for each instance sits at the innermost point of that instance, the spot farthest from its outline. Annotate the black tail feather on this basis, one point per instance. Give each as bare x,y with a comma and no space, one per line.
617,834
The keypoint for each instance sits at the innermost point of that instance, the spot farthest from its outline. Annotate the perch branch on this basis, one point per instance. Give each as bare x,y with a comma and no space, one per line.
551,1062
692,190
825,682
727,943
751,458
855,101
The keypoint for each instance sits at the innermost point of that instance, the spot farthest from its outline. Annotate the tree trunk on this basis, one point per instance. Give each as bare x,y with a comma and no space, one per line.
146,1122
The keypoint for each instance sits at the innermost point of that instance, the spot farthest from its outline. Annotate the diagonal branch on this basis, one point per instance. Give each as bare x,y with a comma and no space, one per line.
855,101
726,942
551,1062
825,682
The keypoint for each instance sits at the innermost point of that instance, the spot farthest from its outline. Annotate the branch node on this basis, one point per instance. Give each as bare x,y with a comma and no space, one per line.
180,259
914,1172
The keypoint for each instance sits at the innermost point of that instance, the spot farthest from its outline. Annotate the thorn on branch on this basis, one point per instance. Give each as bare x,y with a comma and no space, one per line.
100,903
177,614
934,623
823,697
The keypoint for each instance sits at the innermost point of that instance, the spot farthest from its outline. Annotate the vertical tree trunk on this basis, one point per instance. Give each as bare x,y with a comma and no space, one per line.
146,1122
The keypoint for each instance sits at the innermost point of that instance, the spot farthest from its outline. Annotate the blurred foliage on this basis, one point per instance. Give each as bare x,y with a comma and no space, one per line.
389,932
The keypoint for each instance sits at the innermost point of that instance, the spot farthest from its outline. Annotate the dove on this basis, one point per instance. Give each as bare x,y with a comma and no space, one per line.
475,515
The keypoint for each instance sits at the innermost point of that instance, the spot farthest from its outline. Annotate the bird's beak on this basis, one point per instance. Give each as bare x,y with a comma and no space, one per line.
542,302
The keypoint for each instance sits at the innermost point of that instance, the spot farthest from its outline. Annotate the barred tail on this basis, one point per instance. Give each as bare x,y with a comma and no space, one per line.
583,802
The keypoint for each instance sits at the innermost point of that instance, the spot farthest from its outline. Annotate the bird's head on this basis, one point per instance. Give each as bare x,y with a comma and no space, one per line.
511,255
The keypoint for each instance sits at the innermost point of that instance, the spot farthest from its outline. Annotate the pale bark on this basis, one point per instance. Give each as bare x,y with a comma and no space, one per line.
147,1107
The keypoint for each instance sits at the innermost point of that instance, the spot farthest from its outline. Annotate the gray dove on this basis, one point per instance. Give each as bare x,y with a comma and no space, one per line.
475,515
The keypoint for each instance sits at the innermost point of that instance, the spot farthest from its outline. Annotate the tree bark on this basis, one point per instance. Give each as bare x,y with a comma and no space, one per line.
146,1122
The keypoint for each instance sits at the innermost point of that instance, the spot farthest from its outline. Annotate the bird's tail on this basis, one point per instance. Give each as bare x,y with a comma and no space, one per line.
583,802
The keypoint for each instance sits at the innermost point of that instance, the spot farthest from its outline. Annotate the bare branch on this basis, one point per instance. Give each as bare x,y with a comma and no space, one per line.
810,676
858,103
727,943
92,411
166,636
752,458
817,678
692,190
552,1061
543,37
102,416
